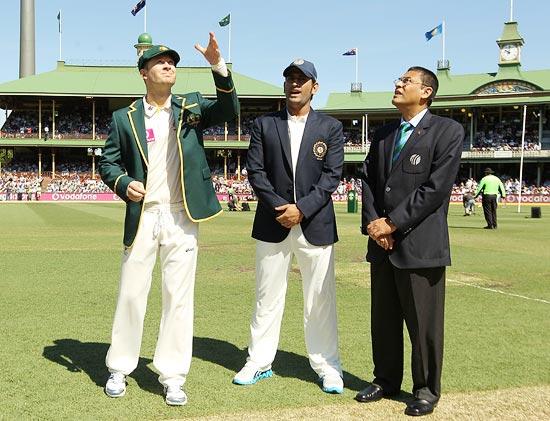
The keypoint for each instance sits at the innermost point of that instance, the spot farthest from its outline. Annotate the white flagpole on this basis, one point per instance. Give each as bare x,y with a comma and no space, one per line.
521,157
230,23
356,65
145,18
60,31
444,30
511,10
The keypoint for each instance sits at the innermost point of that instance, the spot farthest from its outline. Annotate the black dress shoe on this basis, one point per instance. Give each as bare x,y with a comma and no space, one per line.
372,393
419,407
488,227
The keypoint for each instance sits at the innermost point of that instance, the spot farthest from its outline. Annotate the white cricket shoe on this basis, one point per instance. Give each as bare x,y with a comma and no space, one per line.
175,396
116,385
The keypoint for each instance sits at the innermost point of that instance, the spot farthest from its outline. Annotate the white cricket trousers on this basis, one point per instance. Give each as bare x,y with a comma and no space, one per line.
165,229
273,262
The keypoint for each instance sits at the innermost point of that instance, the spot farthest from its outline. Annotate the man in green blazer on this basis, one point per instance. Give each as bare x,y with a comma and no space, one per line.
154,160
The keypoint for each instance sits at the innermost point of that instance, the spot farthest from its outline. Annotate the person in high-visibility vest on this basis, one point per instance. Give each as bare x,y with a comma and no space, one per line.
489,187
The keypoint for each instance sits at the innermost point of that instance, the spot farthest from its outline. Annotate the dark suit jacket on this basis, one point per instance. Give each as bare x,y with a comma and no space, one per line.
414,192
125,158
318,173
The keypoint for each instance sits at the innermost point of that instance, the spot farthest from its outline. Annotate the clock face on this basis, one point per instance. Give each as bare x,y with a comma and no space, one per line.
509,52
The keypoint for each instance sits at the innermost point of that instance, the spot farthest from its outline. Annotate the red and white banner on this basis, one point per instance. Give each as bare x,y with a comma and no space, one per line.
80,197
511,198
111,197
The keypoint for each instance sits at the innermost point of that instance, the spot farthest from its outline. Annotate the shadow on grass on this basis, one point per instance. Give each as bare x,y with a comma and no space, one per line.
89,357
286,364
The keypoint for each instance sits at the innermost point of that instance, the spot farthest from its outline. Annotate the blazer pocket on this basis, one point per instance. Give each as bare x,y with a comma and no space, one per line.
206,173
416,161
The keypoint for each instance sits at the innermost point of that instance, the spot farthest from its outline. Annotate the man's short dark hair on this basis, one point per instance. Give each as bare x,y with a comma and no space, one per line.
428,79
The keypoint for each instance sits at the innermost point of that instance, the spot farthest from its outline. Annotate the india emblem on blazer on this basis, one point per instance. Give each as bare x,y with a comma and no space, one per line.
415,159
320,149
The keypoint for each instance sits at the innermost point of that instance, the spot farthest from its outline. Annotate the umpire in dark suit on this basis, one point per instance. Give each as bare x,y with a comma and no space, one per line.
294,165
407,180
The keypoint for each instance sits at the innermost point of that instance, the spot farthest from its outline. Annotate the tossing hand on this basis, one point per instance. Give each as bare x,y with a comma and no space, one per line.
212,52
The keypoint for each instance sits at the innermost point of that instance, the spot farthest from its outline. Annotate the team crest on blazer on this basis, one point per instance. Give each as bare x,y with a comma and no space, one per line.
415,159
193,119
320,149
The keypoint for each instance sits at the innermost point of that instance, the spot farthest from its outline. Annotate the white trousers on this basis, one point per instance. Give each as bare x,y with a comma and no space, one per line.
169,231
273,262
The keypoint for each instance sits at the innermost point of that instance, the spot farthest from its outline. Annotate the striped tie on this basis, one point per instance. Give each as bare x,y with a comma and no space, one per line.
401,139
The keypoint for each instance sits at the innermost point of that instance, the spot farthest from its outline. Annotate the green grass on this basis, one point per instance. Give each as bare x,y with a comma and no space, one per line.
59,280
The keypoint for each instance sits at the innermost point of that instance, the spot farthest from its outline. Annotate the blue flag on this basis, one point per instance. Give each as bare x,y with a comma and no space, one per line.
140,5
436,31
352,52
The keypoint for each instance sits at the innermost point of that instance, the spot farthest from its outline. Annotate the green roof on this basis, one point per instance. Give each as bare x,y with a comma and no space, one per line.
124,81
457,91
510,33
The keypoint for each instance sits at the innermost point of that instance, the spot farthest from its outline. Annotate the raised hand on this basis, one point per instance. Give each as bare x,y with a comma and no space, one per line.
212,52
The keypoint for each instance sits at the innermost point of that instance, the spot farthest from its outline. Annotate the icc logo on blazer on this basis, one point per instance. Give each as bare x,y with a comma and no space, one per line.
415,159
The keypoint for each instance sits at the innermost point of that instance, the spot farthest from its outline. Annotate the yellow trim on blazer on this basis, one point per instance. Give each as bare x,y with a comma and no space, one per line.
181,168
194,104
116,181
136,137
224,90
180,151
139,225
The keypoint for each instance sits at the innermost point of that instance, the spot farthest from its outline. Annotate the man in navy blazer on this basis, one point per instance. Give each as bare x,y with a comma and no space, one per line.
294,165
407,180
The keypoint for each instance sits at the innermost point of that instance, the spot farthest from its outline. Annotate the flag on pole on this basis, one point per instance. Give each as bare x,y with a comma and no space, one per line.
140,5
352,52
436,31
59,21
225,21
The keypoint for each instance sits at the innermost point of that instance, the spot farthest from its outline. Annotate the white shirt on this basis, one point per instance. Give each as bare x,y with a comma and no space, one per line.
414,121
296,126
163,179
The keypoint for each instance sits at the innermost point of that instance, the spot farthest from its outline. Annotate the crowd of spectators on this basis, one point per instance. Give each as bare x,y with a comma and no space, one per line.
234,186
505,137
511,185
20,185
347,185
218,132
77,124
20,181
73,124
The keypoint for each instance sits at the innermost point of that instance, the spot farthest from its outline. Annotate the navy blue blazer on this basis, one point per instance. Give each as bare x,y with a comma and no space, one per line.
414,192
318,173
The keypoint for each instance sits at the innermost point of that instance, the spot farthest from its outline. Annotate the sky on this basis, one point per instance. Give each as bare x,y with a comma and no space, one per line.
266,36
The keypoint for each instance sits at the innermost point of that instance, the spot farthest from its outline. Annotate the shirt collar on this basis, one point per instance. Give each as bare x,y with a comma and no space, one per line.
150,109
416,119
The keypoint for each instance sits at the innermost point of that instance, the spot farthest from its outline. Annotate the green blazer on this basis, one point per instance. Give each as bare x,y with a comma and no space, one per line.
124,157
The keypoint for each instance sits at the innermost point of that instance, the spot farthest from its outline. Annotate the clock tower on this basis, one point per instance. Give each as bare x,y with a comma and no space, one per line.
509,44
